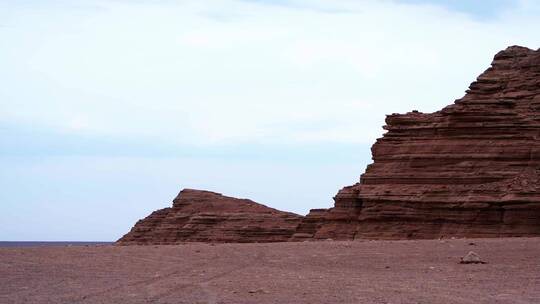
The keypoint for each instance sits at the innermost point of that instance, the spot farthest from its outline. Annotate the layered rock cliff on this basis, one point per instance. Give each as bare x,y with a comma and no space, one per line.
204,216
471,169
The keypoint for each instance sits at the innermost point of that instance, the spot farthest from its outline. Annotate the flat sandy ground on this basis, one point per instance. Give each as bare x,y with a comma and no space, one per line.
309,272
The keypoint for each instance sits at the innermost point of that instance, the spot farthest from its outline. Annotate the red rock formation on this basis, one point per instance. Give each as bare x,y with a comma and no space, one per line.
203,216
471,169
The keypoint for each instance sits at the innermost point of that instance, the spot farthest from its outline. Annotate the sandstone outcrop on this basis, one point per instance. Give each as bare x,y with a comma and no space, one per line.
471,169
204,216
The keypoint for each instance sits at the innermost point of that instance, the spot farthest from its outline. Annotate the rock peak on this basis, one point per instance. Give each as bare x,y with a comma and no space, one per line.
515,51
191,190
518,49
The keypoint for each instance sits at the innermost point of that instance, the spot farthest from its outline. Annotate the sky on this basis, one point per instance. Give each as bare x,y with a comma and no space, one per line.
109,108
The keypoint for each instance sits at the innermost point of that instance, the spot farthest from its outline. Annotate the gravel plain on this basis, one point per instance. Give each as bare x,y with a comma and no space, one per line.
414,271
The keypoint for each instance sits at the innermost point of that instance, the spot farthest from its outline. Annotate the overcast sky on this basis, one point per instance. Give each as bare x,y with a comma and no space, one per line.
109,108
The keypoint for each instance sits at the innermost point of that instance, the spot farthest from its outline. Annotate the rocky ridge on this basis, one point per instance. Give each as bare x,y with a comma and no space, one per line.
204,216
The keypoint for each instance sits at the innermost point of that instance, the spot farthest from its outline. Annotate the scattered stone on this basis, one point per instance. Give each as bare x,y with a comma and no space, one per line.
260,290
471,258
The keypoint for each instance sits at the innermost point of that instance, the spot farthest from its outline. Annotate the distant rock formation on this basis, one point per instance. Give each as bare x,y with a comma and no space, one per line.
204,216
469,170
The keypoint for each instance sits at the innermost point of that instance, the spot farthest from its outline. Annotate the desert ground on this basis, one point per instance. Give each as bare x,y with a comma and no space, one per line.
419,271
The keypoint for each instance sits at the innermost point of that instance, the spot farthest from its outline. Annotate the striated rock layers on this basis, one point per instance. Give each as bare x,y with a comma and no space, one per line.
203,216
471,169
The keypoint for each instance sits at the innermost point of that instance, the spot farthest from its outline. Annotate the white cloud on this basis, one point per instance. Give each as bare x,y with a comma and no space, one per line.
206,72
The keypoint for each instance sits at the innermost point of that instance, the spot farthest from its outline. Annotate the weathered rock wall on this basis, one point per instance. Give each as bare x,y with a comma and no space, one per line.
471,169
